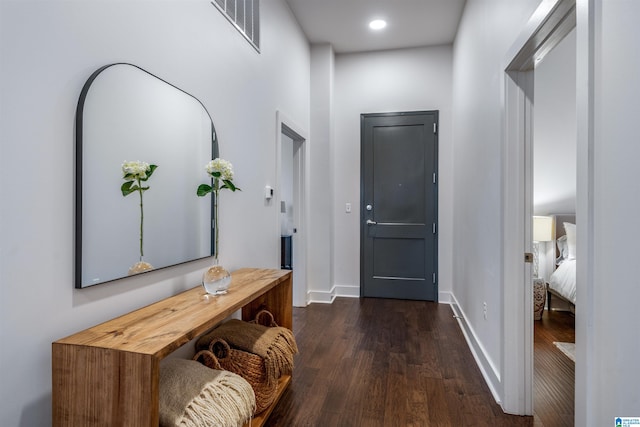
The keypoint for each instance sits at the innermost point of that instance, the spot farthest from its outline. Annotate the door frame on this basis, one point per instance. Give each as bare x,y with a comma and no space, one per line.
286,126
549,24
437,196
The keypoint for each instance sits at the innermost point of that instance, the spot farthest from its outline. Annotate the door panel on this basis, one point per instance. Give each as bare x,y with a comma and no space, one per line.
397,174
390,260
399,205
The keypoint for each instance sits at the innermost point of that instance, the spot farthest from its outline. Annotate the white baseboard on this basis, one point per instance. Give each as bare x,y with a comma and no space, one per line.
320,297
445,297
351,291
324,297
487,368
347,291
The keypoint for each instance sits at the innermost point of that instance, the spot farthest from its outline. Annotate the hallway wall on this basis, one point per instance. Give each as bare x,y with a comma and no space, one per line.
486,32
48,50
387,81
607,344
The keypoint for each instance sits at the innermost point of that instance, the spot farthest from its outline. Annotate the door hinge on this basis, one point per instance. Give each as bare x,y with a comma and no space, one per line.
434,228
435,128
528,257
434,177
434,278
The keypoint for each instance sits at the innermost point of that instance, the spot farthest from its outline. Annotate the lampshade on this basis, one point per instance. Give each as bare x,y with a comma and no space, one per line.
542,228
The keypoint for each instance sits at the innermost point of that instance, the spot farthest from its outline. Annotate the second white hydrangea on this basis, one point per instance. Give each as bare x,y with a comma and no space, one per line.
224,167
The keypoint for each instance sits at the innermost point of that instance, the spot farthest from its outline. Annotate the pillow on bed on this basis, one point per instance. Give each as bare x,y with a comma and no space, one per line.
570,229
563,249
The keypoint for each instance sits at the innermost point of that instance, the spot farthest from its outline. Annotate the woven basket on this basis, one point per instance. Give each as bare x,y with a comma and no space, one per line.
249,366
208,359
264,318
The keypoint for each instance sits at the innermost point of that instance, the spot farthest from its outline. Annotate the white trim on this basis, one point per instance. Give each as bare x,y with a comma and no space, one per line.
342,291
353,291
445,297
487,368
517,338
588,51
321,297
346,291
284,125
549,24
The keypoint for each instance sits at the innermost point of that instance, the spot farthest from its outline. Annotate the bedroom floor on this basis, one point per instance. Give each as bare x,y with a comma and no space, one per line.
554,373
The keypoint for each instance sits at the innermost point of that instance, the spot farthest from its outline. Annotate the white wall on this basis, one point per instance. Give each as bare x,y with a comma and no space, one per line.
555,131
608,346
486,32
48,50
320,268
555,140
387,81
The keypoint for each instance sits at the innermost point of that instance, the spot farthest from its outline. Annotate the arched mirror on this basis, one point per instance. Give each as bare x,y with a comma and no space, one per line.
127,114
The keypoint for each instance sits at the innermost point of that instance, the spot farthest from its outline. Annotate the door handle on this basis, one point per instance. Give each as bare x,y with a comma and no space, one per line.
369,222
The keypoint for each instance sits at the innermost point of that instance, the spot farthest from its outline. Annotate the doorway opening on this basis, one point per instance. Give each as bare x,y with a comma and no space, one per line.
554,205
549,25
291,203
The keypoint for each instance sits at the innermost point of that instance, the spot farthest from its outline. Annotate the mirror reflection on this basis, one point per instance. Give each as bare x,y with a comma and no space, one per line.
126,114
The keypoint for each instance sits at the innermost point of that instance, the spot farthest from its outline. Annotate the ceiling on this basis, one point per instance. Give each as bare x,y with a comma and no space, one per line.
410,23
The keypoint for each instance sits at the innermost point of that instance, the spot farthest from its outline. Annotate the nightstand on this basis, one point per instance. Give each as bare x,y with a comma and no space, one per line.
539,291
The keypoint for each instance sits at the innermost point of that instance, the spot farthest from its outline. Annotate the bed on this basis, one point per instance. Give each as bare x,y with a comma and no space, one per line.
562,283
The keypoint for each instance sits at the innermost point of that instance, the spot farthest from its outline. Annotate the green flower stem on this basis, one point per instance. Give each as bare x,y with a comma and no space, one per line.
141,220
216,192
218,170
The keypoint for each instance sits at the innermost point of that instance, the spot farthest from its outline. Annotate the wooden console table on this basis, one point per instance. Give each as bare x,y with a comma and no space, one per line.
107,375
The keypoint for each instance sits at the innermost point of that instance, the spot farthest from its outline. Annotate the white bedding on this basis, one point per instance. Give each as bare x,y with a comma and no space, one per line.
563,280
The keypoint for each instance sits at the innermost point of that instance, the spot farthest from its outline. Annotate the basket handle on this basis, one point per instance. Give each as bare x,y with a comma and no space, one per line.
265,318
219,348
208,359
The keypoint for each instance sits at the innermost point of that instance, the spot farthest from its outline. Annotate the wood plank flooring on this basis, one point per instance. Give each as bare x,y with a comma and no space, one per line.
554,373
379,362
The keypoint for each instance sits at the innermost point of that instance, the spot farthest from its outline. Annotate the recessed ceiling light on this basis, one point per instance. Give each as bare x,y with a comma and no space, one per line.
377,24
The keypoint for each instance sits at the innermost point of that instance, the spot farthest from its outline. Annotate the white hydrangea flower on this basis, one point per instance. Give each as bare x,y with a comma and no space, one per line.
135,168
220,165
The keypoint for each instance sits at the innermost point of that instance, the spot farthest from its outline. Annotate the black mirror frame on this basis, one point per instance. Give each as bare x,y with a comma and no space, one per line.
79,171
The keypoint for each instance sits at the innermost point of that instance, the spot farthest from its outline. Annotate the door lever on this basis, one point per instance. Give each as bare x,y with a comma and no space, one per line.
369,222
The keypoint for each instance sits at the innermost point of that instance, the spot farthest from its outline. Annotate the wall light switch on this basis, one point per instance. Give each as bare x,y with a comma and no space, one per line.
268,192
347,208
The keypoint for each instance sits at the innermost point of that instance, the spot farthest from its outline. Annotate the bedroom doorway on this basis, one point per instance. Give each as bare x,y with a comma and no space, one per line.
554,200
549,25
291,203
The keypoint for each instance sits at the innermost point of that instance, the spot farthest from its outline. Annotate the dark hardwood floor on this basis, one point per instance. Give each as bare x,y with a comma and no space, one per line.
554,373
380,362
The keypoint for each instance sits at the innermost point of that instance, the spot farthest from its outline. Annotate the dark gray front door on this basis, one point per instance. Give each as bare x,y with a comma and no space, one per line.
399,245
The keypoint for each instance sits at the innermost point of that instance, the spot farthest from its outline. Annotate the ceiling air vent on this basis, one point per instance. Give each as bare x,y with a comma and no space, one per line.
245,16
